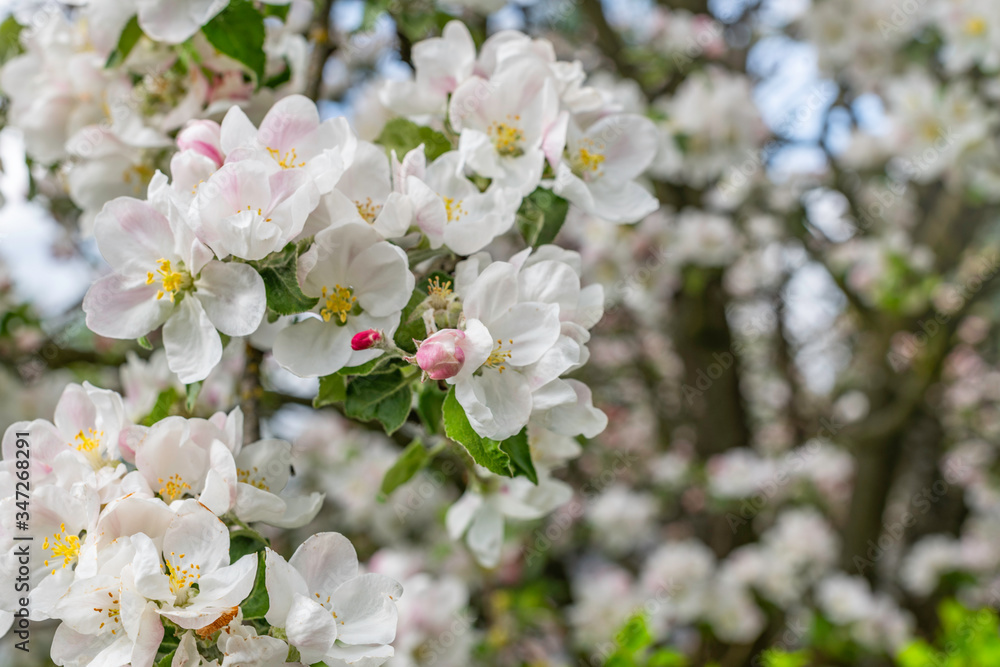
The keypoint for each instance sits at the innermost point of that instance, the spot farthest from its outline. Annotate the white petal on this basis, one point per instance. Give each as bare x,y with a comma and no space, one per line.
233,297
192,344
366,609
117,308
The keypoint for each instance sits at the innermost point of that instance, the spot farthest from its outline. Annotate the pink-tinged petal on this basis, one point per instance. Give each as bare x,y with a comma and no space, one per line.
133,236
313,348
204,137
288,121
233,297
325,561
554,139
236,131
75,411
192,344
118,308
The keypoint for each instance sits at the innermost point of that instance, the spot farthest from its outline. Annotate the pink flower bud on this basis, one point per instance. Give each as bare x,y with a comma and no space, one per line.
440,355
365,339
202,137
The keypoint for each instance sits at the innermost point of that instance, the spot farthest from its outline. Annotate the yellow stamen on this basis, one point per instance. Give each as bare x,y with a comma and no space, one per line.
88,443
174,488
499,356
253,478
507,136
453,207
172,280
368,210
63,546
339,302
286,160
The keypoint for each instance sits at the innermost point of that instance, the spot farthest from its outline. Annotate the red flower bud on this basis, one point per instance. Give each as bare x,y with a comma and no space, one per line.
365,339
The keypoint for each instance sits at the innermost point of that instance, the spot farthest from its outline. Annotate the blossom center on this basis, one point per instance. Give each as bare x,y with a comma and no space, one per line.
438,293
507,136
172,281
338,302
368,210
499,356
174,488
588,160
253,478
286,160
181,577
975,26
453,207
113,613
62,546
89,441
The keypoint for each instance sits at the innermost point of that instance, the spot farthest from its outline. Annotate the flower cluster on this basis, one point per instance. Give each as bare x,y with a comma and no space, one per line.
146,544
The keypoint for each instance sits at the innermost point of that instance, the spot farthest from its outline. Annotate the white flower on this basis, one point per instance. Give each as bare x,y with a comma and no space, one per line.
452,211
526,324
362,282
106,620
328,610
291,136
440,64
505,120
163,275
366,195
480,515
194,583
601,164
174,22
263,471
249,211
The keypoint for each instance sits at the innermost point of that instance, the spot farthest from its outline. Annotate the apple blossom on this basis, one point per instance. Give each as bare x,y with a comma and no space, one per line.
362,282
163,275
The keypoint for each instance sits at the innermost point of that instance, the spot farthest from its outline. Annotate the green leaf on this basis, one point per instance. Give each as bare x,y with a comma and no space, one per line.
192,390
144,343
258,602
332,389
161,408
430,400
238,32
243,542
10,39
167,660
281,283
516,447
386,397
411,326
130,36
409,463
541,216
376,366
486,452
404,135
280,11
